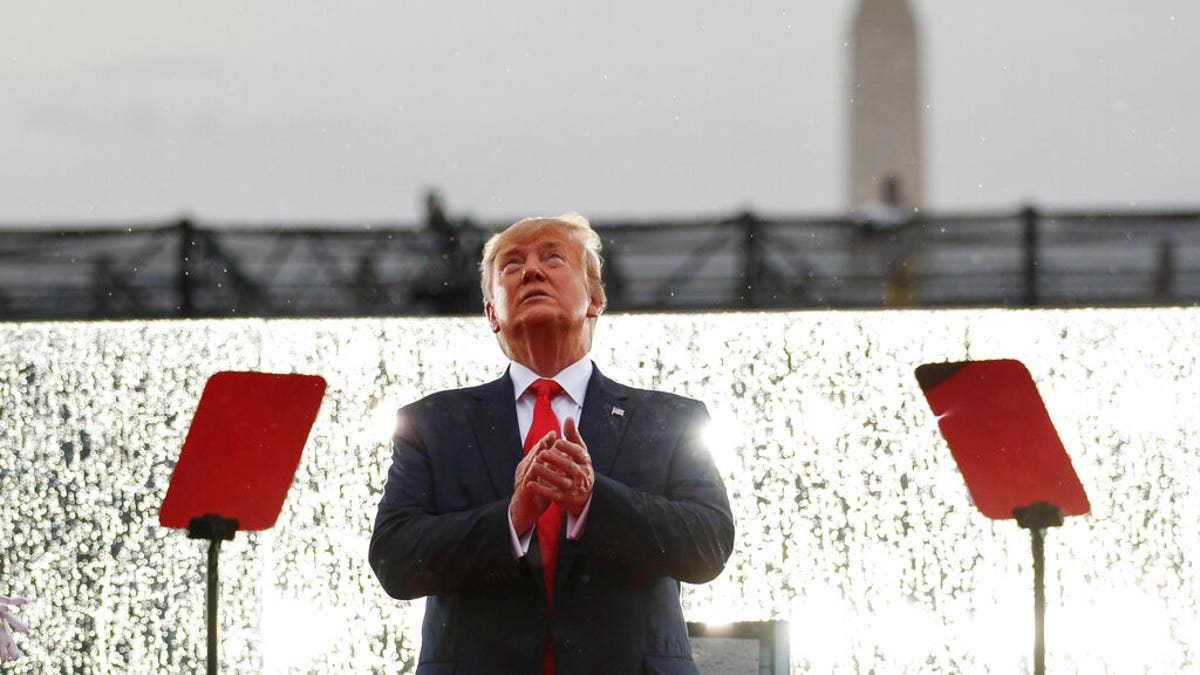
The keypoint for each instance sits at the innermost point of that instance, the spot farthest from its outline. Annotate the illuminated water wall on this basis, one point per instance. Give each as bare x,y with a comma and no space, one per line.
853,521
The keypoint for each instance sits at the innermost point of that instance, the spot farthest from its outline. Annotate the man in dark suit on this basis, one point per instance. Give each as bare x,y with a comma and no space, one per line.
563,553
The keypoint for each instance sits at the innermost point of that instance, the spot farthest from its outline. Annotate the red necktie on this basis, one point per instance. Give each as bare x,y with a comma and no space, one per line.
549,524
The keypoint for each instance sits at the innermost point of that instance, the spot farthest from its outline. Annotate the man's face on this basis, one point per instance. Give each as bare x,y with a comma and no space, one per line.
538,281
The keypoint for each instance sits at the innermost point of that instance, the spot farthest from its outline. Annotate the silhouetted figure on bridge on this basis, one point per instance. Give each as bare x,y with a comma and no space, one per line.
448,284
888,224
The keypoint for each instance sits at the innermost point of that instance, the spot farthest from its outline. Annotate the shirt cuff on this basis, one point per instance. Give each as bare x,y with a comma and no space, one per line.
520,542
575,524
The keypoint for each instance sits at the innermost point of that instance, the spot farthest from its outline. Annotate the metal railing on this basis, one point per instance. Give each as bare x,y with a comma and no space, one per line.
1019,258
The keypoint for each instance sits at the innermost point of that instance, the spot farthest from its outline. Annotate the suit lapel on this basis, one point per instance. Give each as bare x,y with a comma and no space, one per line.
602,424
499,441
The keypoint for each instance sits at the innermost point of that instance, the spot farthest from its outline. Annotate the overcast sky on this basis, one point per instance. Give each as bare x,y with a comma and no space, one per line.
294,110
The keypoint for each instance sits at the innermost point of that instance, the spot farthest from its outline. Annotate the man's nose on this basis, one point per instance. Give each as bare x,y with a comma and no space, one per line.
533,270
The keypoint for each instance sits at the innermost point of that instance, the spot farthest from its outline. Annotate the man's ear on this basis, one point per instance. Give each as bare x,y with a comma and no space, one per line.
490,312
595,303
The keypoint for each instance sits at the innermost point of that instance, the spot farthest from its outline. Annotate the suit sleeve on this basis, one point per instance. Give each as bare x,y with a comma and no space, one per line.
417,551
682,528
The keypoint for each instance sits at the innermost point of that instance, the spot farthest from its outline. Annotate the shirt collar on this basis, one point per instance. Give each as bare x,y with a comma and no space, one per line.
573,379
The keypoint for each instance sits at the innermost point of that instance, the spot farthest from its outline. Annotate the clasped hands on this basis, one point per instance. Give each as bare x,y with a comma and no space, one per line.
555,470
8,623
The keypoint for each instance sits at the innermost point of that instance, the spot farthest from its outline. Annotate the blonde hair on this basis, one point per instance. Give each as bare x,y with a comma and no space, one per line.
576,227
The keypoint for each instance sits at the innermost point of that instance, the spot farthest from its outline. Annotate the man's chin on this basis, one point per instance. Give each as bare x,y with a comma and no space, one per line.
539,316
542,317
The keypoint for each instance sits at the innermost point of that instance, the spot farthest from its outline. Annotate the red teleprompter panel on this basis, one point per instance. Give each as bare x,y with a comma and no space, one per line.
1001,436
243,448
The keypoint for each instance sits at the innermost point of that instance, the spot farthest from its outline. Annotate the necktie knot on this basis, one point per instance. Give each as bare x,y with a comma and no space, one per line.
546,389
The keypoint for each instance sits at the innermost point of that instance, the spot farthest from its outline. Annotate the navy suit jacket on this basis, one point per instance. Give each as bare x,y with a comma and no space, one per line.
659,515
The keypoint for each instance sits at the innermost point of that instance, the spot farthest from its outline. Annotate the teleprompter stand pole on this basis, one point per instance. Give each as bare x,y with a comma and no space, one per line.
215,529
1036,518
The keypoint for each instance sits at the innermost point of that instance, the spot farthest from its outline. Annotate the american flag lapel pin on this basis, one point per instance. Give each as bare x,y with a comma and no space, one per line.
618,412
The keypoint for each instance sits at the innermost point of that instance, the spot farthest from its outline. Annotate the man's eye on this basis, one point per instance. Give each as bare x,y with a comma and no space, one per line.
509,265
